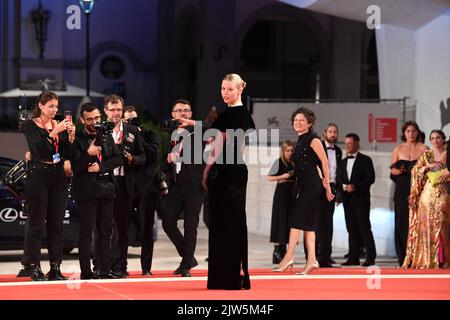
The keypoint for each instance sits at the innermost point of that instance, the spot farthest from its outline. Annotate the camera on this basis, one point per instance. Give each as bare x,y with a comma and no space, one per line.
162,184
123,149
135,122
103,130
170,124
104,127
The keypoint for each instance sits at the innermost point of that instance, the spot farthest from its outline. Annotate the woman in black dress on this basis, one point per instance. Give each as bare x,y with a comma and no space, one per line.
309,156
282,171
46,192
227,185
404,157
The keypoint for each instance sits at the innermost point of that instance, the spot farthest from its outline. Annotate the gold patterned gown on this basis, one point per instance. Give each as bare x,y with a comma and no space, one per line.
429,217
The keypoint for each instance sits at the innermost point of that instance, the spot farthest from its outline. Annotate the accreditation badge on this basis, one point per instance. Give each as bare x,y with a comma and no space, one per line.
56,158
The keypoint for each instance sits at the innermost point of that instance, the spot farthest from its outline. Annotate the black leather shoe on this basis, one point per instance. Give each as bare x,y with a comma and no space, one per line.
181,267
146,273
350,263
55,273
109,276
116,275
325,265
88,276
37,274
368,263
185,273
331,261
25,272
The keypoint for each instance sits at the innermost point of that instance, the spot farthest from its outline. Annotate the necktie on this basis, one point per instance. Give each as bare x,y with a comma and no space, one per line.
330,148
350,157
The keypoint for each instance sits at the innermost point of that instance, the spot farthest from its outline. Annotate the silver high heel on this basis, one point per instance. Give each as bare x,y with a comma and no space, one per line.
309,268
282,269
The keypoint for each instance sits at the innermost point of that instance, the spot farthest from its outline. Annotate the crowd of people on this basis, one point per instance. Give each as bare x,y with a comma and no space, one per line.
114,164
421,203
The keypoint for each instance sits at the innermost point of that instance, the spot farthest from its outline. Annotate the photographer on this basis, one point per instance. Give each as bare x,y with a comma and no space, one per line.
186,195
94,156
147,189
129,142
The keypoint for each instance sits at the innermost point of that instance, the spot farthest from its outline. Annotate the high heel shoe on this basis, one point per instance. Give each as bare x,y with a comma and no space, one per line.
282,269
309,268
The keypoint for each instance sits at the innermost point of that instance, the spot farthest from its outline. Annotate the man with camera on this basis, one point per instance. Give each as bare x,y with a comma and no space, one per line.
186,194
129,142
147,191
94,156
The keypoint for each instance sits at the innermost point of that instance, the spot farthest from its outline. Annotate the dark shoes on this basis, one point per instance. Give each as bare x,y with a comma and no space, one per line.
350,263
37,274
368,263
147,273
185,269
55,273
118,274
278,253
25,272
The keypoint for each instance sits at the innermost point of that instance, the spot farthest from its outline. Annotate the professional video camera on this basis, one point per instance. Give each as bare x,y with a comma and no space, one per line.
13,177
103,130
170,124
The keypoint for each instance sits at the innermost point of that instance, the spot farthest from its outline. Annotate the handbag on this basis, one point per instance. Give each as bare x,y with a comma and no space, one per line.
104,189
434,176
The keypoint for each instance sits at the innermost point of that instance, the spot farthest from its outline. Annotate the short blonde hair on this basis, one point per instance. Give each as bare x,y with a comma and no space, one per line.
235,78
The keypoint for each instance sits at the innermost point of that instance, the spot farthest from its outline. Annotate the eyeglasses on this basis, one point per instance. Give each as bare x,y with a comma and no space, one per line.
115,110
182,110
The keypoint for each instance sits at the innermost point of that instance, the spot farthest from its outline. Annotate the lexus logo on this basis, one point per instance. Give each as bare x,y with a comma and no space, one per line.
9,215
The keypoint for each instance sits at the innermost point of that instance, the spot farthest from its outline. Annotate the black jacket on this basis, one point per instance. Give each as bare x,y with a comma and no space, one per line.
363,176
146,180
132,141
83,181
192,153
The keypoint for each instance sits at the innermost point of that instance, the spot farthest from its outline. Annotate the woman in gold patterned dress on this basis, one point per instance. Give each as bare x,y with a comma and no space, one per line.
429,211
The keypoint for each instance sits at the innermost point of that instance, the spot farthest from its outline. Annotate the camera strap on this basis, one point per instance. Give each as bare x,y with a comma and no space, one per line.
56,140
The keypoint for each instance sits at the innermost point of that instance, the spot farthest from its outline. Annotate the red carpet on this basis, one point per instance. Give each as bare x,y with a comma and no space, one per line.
325,284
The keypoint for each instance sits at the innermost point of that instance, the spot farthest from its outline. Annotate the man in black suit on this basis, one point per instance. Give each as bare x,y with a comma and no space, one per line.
129,142
92,161
357,174
325,227
147,191
186,194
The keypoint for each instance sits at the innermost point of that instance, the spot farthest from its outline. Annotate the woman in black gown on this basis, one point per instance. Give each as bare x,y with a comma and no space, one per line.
282,171
404,157
227,185
309,156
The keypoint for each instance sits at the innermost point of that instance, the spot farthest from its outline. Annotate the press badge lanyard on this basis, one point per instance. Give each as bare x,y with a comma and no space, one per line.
56,157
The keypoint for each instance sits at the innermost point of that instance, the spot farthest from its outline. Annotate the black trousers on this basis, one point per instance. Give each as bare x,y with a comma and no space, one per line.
357,221
46,196
123,204
147,208
325,231
96,214
188,199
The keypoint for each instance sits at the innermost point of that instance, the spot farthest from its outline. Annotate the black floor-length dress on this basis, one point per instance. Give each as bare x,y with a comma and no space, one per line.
227,185
282,203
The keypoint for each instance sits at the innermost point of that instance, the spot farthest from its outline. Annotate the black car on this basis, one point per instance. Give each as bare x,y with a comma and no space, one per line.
13,213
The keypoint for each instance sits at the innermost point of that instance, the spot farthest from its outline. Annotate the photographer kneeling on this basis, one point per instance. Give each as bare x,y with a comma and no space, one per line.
94,156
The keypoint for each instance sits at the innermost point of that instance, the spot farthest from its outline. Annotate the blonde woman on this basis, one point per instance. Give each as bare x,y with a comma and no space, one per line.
282,172
228,251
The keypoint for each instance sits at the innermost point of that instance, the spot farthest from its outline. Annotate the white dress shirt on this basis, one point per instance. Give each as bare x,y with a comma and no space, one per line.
350,163
118,138
332,162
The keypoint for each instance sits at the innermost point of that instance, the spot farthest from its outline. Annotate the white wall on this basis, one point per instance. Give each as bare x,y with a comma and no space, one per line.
417,64
432,72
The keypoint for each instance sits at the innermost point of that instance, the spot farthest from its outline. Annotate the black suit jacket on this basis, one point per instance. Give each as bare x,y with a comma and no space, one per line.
83,181
146,174
363,176
193,149
132,140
